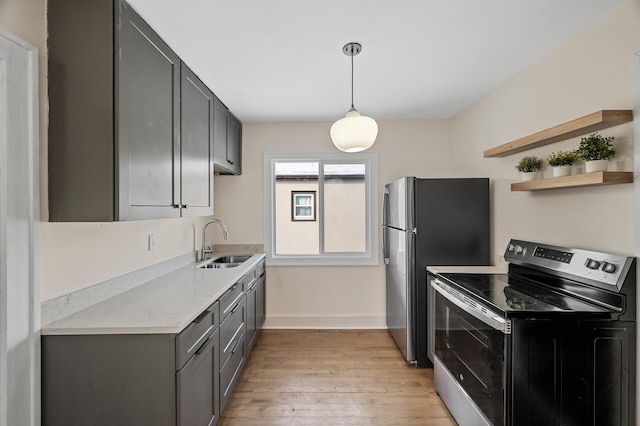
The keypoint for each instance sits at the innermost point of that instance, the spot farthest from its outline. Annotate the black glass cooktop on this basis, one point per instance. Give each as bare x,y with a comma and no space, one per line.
510,294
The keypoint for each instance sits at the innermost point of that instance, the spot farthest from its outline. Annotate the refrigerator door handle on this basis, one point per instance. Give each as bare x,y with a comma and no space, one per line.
385,244
385,230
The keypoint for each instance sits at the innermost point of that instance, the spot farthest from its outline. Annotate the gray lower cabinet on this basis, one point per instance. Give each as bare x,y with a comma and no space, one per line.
255,308
122,143
252,330
227,140
182,379
147,379
261,308
233,350
198,394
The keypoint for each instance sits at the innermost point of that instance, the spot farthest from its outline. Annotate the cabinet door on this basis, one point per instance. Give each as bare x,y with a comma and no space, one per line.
148,122
227,138
197,106
251,318
198,386
261,312
234,145
220,117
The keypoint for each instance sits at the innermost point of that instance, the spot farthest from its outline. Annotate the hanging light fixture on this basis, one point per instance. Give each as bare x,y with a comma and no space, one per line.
354,132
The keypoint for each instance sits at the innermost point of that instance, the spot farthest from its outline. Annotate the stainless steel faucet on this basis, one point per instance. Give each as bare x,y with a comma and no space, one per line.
207,249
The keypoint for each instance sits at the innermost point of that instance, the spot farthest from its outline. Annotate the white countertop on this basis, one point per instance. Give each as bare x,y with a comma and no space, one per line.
163,305
496,269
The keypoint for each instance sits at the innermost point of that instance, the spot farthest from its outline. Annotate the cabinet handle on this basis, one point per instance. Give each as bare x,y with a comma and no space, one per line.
235,308
175,206
184,206
202,316
204,345
252,283
235,347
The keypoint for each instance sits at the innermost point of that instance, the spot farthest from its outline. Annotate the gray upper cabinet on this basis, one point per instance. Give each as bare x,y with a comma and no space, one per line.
197,107
227,140
122,145
148,122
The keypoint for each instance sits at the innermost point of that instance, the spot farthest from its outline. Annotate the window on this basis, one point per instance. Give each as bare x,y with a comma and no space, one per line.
303,205
321,209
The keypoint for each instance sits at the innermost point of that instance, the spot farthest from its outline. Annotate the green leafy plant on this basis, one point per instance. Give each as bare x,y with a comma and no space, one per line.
562,158
596,147
529,164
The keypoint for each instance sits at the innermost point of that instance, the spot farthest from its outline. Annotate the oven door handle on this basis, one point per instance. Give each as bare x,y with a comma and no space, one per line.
488,317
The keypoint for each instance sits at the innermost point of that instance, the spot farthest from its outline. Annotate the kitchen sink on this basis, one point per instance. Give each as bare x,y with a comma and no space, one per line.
231,259
219,262
214,265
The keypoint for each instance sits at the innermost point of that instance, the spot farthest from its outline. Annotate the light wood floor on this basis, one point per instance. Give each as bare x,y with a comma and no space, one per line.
332,377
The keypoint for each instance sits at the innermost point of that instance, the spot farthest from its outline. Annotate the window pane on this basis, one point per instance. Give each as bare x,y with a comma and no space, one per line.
302,211
321,208
295,236
345,208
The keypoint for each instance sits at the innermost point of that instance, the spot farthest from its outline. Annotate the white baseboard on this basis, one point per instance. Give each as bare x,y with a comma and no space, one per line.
325,322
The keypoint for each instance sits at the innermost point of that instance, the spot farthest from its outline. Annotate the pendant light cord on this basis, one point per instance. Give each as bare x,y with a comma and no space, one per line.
352,48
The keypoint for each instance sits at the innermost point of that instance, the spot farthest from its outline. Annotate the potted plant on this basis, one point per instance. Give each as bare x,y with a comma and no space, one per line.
561,162
529,167
596,151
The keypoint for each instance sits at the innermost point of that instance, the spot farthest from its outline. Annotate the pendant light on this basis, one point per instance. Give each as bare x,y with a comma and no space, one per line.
354,132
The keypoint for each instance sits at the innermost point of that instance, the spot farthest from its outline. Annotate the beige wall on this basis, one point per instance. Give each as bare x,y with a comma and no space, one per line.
593,71
326,296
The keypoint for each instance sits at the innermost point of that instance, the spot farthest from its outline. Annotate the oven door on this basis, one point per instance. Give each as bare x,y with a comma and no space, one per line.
473,352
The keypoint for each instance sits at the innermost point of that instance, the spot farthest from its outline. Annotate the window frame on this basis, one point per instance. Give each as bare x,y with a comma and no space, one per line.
370,257
294,216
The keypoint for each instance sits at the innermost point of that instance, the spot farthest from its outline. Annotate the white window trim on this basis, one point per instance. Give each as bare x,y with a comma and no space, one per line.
368,258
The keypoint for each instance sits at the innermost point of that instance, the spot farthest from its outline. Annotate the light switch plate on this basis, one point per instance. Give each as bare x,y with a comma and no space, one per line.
152,242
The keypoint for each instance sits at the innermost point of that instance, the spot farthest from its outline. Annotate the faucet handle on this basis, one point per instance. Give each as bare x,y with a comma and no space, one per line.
208,249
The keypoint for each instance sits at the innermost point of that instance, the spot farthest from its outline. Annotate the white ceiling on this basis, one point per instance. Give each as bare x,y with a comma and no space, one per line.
282,60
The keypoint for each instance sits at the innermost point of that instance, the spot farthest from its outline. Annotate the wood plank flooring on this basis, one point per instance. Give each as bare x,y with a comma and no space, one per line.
332,377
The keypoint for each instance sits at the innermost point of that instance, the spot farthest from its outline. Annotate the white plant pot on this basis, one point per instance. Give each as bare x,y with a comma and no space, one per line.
527,176
561,171
596,166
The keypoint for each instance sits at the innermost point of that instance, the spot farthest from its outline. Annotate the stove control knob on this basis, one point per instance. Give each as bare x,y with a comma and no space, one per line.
609,268
519,249
592,264
511,247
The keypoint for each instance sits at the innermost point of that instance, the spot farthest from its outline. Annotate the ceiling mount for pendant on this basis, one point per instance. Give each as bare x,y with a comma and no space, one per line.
354,132
352,49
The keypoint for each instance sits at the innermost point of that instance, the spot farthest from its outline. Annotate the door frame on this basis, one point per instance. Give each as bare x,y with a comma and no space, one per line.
636,189
19,233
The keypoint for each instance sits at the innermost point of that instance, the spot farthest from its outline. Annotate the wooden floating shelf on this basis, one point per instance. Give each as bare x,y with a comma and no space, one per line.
576,181
580,126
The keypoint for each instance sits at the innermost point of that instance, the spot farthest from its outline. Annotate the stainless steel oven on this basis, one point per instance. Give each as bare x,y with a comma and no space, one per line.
470,343
550,342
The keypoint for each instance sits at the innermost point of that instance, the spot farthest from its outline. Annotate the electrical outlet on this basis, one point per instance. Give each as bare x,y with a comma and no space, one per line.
152,242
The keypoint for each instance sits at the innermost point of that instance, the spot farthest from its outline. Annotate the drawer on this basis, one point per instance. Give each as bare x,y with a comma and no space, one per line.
191,338
231,298
231,370
232,328
252,277
259,269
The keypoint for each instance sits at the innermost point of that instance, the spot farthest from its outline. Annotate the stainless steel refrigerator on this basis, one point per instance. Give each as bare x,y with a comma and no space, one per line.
425,222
